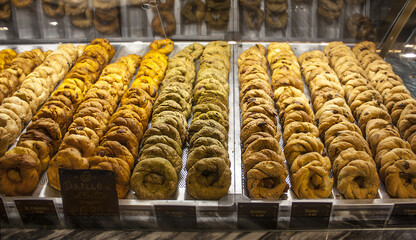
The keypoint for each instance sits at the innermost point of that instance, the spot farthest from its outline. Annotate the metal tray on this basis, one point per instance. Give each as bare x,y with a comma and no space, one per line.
222,214
345,212
136,212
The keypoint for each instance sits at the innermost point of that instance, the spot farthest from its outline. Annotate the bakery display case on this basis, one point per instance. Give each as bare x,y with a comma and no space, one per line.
239,129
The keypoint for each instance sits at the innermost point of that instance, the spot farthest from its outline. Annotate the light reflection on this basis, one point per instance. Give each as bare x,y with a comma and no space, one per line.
3,29
53,23
409,55
232,42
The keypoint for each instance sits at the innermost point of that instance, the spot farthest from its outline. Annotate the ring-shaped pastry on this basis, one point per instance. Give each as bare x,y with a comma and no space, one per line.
54,9
168,19
194,11
154,178
359,26
208,178
21,3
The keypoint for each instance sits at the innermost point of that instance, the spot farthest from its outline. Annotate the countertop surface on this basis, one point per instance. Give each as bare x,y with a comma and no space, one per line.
14,233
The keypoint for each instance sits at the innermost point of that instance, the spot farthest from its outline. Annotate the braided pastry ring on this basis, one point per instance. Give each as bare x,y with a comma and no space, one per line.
393,156
358,180
165,6
164,46
401,179
54,9
312,181
188,11
167,18
280,23
220,22
143,180
253,18
365,45
267,180
208,178
359,26
106,28
21,3
251,4
5,12
106,4
73,10
357,177
83,20
19,173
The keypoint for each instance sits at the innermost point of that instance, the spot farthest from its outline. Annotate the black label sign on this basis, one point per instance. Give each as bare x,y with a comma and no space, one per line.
310,215
3,213
257,215
37,212
178,217
89,197
403,214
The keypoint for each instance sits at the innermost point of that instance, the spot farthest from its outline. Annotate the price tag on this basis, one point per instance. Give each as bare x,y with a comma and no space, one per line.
257,215
4,218
310,214
177,217
89,197
37,212
403,214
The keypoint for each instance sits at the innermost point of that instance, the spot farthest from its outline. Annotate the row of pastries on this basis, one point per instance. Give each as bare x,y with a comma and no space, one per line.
172,121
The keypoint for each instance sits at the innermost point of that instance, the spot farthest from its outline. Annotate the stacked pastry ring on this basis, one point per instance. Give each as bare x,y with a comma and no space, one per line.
359,26
17,69
346,147
217,13
120,142
367,107
209,175
164,22
330,9
6,57
99,103
34,90
106,16
252,14
5,10
161,154
20,167
51,122
263,159
53,8
194,11
309,169
276,8
22,3
392,154
80,13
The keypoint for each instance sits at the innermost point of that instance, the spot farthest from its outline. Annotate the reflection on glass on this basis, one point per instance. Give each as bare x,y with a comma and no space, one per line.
302,19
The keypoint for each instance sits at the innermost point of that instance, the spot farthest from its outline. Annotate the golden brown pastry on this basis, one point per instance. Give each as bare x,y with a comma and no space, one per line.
335,118
356,174
259,123
6,57
310,176
400,179
310,179
118,144
41,137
